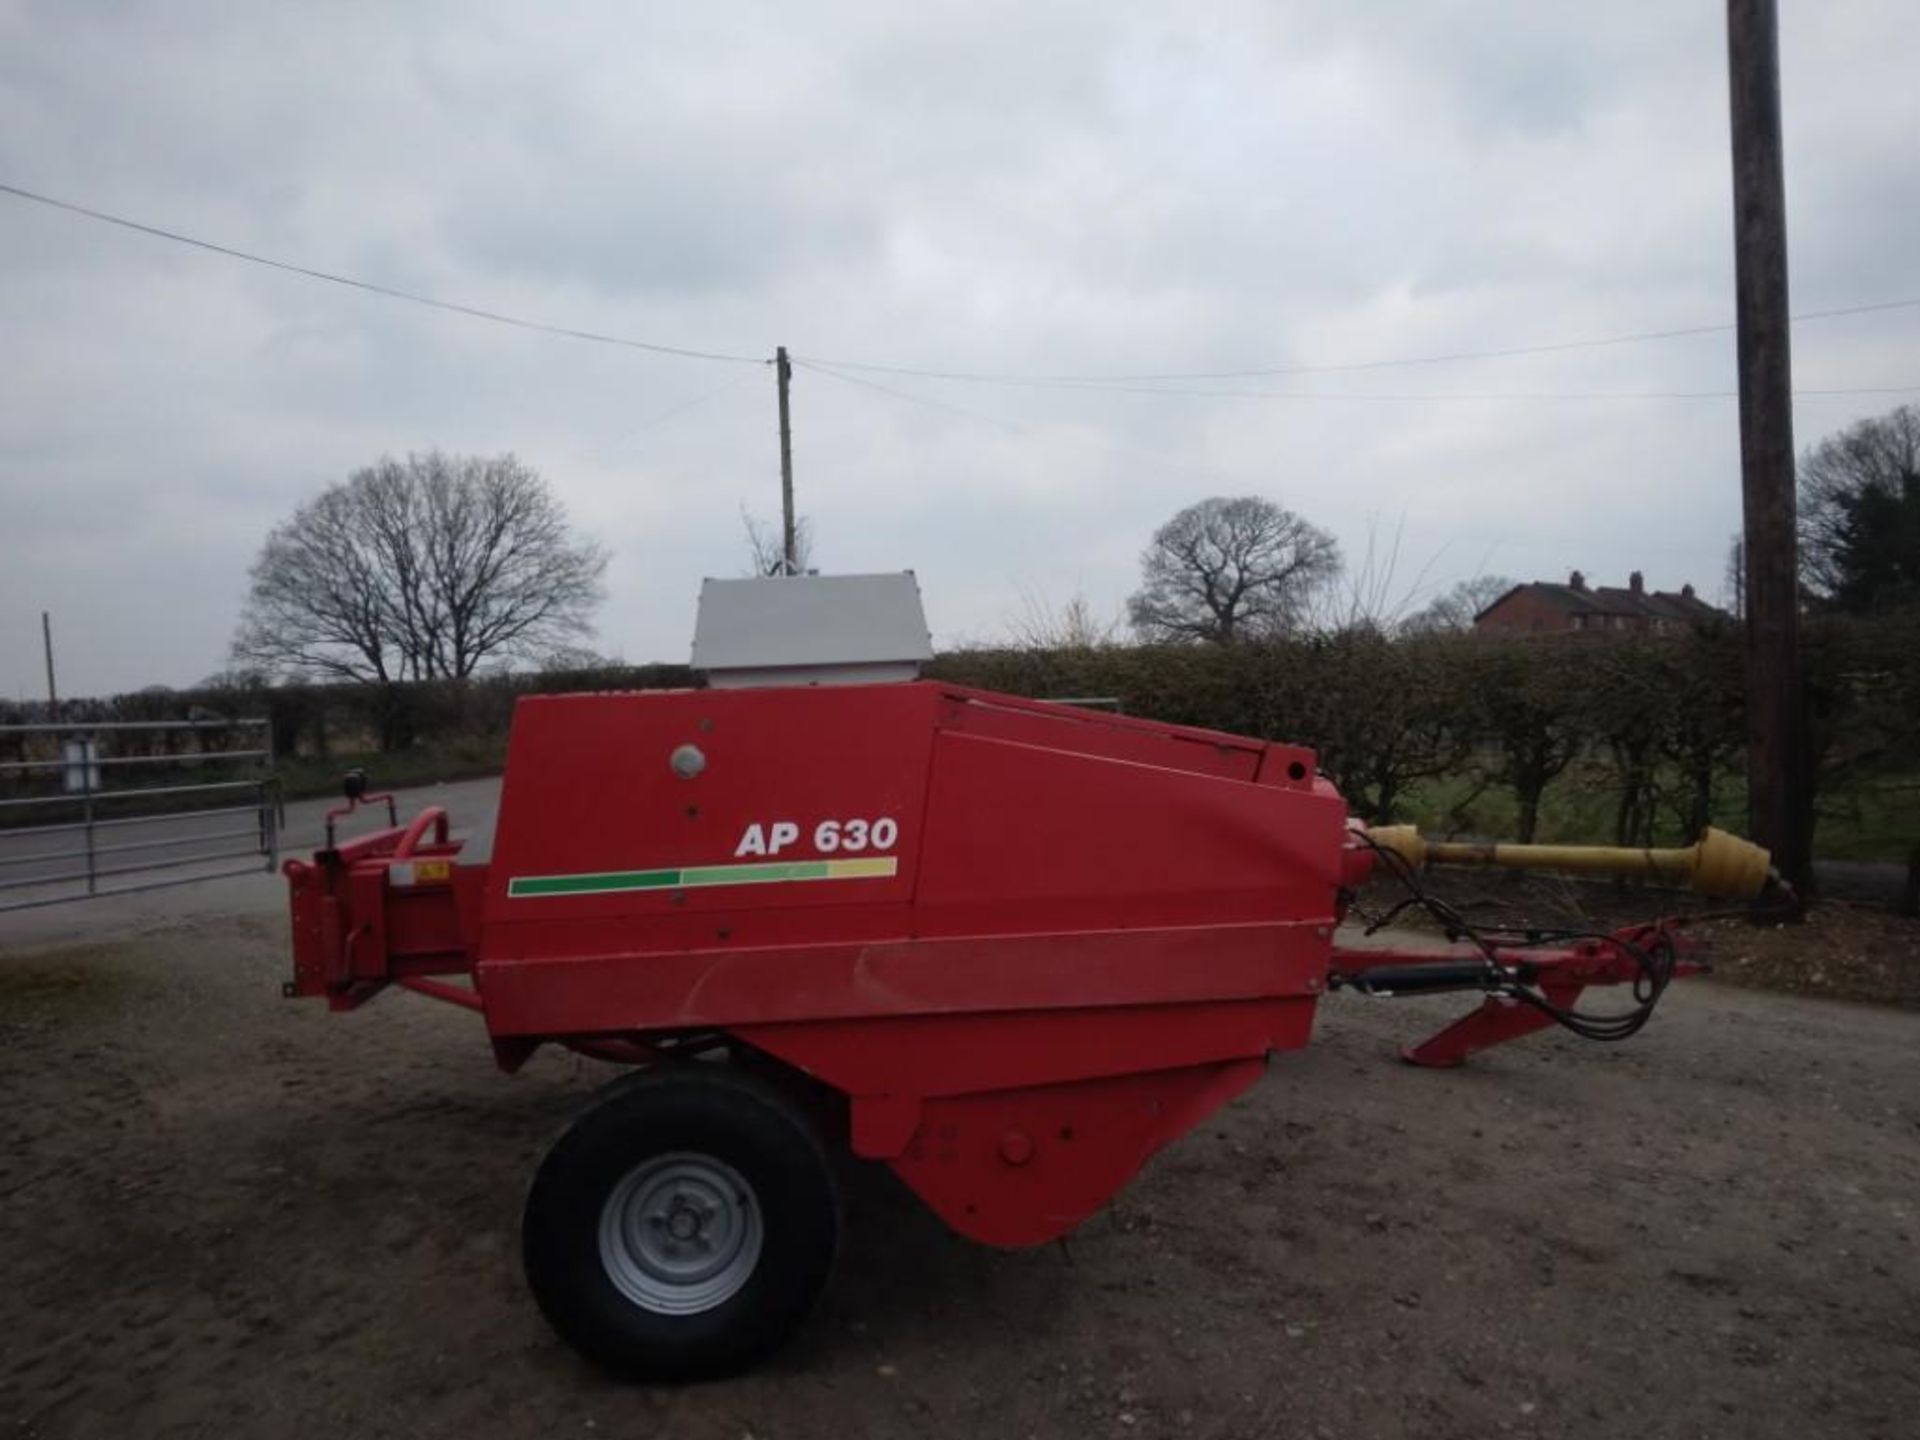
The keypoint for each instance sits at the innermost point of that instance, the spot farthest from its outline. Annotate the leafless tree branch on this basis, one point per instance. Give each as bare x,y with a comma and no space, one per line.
422,569
1231,569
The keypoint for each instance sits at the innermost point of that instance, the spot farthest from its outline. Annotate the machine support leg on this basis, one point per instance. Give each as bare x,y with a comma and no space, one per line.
1497,1021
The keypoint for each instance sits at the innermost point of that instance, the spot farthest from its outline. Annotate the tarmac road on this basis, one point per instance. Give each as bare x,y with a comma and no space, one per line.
470,804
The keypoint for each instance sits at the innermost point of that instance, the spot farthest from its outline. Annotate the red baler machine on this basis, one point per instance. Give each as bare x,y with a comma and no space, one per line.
1009,948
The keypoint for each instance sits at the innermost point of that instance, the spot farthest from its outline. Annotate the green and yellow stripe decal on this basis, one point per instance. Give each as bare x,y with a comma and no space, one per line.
759,872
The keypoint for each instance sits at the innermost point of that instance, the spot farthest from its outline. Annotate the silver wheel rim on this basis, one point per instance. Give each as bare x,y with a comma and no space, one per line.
680,1233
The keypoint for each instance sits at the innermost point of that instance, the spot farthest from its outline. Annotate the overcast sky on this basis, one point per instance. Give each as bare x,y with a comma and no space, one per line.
1014,188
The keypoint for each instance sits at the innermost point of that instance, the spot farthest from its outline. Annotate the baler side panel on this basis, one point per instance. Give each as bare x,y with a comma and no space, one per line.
1018,1126
1022,1167
1103,723
935,1056
1024,838
615,991
1057,874
595,819
1024,1125
1092,732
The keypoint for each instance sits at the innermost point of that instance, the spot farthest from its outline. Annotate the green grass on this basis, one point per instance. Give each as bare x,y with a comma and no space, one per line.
1873,822
1881,823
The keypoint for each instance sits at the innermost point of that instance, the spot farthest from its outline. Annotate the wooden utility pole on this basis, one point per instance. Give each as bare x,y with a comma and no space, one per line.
46,641
783,372
1778,809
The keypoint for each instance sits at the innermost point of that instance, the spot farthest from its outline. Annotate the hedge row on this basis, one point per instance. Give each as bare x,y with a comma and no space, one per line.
1659,723
1655,723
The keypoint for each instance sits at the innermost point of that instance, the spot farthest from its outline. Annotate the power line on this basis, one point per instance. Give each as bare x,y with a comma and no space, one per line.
1141,384
1470,396
979,377
677,409
1492,538
819,368
371,288
1493,395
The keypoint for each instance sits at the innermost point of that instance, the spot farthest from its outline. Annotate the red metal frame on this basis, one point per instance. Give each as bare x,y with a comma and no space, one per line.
1563,974
1029,943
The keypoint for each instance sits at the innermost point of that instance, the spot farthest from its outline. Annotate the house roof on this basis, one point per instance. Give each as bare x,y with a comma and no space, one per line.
1614,600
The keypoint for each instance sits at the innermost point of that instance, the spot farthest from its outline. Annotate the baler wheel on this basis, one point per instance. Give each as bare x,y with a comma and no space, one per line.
682,1228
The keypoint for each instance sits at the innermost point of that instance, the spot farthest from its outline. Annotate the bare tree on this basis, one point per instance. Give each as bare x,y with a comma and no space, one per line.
1860,513
1455,609
1072,626
768,545
1369,596
1735,582
572,659
422,569
1230,569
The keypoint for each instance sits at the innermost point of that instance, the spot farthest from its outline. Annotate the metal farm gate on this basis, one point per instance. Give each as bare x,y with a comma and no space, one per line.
114,808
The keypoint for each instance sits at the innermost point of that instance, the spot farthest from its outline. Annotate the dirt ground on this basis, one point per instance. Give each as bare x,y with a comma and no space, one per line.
1852,952
225,1214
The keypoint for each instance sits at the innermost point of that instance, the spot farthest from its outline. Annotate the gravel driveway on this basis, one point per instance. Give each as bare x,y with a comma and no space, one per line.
225,1214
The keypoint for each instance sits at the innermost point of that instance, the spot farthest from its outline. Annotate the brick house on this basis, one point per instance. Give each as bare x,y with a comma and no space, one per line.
1543,609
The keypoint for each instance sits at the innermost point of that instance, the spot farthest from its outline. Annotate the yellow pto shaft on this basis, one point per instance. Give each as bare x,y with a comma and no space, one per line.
1718,864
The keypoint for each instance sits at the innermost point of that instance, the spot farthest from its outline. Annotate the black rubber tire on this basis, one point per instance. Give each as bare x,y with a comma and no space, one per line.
707,1109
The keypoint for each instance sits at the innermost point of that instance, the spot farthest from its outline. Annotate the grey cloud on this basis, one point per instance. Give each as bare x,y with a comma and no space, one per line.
1113,187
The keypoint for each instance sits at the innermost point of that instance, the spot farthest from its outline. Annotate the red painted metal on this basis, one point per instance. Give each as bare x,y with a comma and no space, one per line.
1029,943
353,934
434,818
616,1050
1019,1167
1564,974
1499,1019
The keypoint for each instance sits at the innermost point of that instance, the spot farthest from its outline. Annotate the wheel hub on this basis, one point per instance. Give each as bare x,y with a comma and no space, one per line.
680,1233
